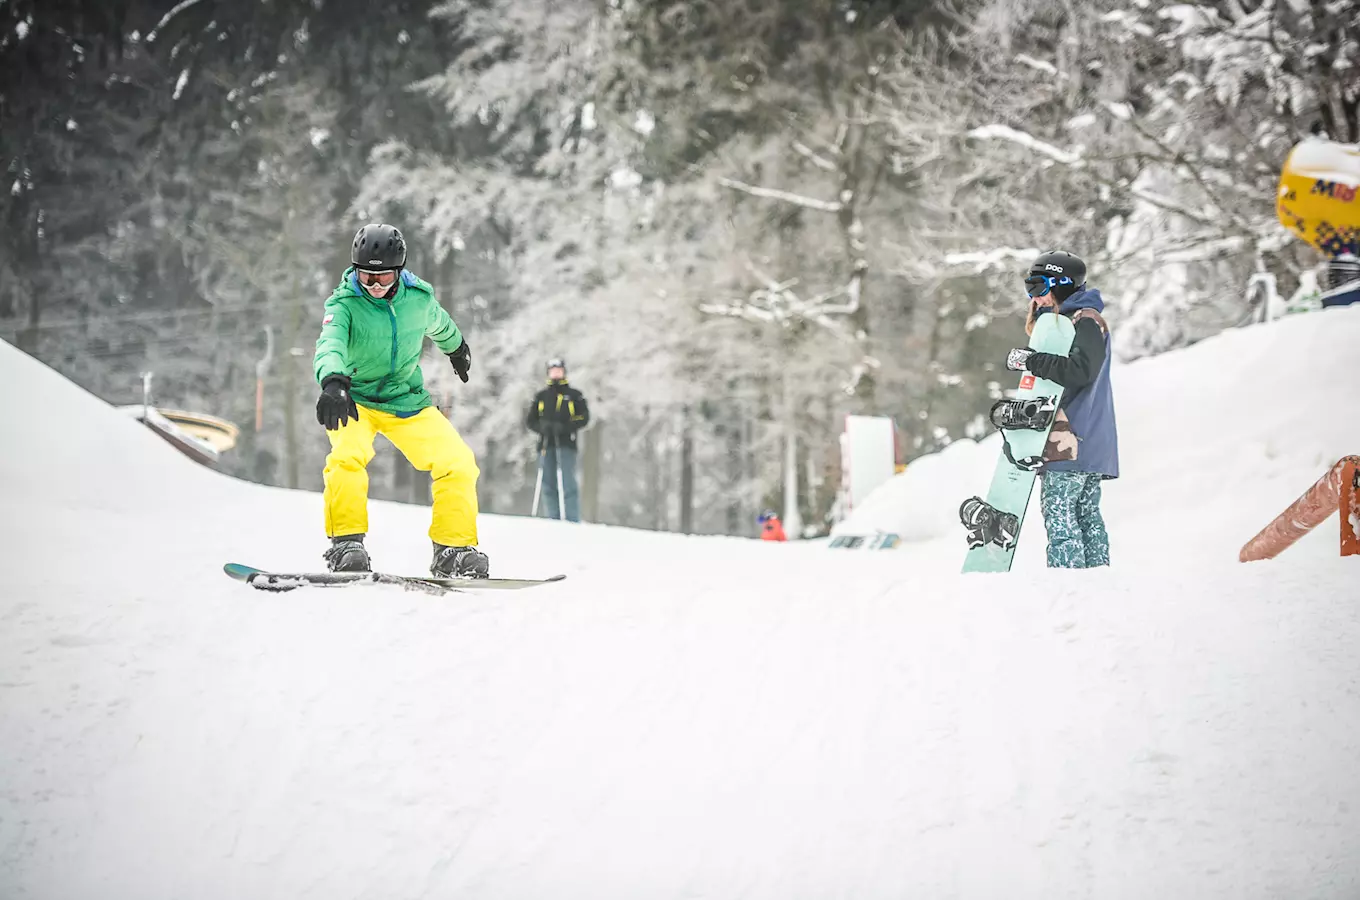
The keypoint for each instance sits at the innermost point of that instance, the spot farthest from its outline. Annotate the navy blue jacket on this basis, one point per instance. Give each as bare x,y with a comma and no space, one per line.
1088,398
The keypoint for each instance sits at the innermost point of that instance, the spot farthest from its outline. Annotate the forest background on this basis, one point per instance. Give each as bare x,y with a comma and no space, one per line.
738,220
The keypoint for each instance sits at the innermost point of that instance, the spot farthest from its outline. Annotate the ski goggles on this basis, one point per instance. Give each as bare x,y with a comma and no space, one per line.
377,278
1039,285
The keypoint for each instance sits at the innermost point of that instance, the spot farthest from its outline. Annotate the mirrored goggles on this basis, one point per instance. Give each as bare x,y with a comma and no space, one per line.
1039,285
379,278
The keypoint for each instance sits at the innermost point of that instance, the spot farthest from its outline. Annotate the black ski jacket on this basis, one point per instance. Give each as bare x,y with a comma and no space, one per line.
1080,366
556,413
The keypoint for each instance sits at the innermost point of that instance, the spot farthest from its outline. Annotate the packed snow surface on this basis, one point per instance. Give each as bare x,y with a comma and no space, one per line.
690,717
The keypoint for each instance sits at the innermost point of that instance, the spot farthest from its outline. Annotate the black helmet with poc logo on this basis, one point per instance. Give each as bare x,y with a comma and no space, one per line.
1060,263
1056,270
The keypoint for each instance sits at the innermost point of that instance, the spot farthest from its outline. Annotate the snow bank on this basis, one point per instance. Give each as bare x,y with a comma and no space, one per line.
66,446
921,503
683,717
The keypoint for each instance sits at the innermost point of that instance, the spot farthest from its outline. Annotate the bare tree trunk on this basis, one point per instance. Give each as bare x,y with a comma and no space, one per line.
590,471
735,471
654,496
686,473
753,481
292,384
27,339
813,480
793,520
666,483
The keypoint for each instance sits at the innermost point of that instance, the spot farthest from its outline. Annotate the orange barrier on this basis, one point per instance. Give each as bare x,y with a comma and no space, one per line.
1336,490
1350,507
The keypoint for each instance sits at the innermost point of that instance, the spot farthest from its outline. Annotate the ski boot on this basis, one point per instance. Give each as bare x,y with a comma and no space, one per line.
347,554
988,525
1034,414
459,562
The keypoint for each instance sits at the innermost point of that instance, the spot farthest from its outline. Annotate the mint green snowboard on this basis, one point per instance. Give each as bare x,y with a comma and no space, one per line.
1011,485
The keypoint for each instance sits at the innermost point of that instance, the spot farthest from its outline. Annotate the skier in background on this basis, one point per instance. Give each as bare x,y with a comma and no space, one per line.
368,365
556,414
771,529
1083,448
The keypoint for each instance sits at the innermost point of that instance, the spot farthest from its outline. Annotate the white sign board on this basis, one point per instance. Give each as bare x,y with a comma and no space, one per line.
868,456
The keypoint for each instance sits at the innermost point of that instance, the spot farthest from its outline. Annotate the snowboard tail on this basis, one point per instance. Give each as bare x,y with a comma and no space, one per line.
994,522
288,581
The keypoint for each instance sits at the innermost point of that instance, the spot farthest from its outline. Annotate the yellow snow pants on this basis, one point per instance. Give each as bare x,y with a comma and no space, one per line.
432,445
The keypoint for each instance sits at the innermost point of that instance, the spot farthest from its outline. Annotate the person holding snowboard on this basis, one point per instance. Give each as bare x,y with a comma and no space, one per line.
556,414
1083,448
368,366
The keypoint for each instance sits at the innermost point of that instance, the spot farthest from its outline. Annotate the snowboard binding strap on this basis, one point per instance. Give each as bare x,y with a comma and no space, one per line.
1024,463
1034,414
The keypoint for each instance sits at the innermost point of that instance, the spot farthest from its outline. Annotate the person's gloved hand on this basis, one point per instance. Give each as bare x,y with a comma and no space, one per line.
335,406
462,360
1016,359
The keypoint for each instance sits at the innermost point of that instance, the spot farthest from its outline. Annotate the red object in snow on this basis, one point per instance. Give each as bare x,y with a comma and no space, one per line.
773,530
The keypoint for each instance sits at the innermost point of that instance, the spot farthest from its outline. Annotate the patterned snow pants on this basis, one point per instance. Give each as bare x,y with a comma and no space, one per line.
1070,502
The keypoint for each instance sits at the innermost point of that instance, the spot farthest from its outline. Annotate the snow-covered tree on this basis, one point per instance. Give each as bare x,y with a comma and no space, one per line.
1150,138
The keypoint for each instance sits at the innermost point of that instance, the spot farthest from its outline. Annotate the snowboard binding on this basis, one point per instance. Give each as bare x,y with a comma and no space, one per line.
1034,414
988,525
1024,463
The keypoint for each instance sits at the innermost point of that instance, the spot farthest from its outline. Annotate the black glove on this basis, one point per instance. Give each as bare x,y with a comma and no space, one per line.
462,360
335,406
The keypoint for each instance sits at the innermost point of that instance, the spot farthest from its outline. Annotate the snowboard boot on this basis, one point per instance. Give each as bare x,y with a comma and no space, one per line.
459,562
347,554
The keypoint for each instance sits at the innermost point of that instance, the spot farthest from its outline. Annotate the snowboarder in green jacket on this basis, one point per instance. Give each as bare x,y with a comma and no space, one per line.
368,365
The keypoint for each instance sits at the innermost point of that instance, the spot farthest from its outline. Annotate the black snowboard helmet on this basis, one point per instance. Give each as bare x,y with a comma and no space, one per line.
1058,271
378,246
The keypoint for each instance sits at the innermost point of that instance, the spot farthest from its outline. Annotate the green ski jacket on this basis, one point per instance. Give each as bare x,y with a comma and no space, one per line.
377,343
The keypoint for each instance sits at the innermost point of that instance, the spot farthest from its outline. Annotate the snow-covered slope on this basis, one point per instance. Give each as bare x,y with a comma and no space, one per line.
1215,440
682,717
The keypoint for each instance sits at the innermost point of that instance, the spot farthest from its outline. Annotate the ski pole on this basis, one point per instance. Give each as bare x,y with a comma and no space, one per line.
538,483
561,495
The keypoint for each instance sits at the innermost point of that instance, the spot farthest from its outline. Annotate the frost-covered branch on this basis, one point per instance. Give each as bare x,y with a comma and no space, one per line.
1040,65
165,19
1169,205
783,196
777,303
813,156
1007,133
738,309
984,260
